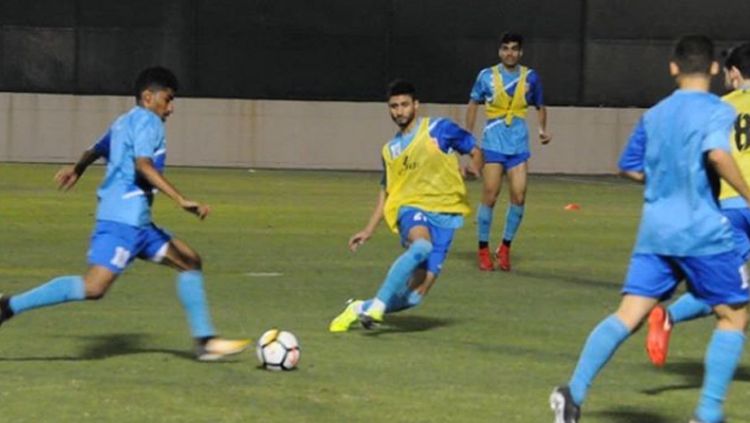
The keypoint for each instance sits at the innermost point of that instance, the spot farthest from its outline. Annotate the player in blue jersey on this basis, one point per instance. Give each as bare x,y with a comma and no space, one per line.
506,90
422,198
675,149
688,307
135,150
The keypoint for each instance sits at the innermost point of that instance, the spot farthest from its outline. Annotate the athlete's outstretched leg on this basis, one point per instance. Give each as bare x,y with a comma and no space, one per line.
59,290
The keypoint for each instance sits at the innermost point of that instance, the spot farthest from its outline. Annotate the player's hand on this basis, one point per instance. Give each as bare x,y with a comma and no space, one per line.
358,239
545,137
66,177
198,209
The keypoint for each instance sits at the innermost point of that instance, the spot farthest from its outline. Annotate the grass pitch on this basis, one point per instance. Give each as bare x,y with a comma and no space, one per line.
483,347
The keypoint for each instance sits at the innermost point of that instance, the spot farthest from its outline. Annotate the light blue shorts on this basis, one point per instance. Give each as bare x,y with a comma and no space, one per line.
441,238
715,279
115,245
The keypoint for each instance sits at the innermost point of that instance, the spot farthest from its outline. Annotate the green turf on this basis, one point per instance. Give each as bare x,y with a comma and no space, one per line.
483,347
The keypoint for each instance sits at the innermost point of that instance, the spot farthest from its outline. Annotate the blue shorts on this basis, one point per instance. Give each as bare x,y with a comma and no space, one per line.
441,239
740,220
509,161
115,245
715,279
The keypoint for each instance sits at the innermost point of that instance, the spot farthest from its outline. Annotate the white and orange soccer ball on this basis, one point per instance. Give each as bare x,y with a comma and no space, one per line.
278,350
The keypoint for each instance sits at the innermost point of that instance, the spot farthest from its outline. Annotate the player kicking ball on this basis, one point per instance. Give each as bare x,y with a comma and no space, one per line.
734,208
422,198
135,150
675,148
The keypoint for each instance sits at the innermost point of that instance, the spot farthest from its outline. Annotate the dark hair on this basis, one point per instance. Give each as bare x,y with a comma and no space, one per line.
401,87
694,54
738,57
511,37
155,78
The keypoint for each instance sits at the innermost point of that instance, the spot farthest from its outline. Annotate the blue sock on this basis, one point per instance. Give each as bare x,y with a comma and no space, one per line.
512,221
687,307
193,299
599,348
404,301
722,357
484,222
59,290
402,268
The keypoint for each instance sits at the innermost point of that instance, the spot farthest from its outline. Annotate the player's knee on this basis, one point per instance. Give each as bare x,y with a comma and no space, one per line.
518,199
422,248
95,292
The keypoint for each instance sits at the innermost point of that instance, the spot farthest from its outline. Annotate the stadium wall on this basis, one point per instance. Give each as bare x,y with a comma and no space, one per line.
286,134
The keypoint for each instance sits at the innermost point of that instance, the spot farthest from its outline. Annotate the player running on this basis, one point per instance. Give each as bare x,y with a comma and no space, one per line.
673,150
507,90
422,198
135,148
733,206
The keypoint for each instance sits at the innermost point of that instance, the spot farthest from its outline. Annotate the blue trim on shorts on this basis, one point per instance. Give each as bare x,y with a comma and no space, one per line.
441,238
509,161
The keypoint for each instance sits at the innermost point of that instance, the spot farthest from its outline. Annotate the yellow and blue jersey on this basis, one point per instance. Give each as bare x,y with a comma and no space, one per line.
680,214
124,196
739,141
421,171
506,131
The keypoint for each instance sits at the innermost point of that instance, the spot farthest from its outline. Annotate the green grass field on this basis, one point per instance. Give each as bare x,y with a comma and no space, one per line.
483,347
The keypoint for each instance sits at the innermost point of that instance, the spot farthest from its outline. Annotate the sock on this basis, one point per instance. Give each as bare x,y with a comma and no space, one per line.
484,223
402,268
687,307
404,301
722,357
599,348
512,221
193,298
59,290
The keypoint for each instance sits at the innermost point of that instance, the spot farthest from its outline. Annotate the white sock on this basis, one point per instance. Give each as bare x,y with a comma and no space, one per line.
377,306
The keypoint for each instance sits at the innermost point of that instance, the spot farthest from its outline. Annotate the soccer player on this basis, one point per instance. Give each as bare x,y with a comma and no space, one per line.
422,198
734,208
674,149
135,149
506,90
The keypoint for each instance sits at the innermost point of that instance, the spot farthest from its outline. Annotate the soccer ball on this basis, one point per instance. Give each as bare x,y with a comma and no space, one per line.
278,350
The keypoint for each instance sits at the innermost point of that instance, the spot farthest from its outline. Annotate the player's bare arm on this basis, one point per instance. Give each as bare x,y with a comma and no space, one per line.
145,167
544,136
377,215
727,168
475,165
69,175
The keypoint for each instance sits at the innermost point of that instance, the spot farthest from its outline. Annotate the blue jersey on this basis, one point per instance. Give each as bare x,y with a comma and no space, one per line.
124,196
498,137
681,216
450,137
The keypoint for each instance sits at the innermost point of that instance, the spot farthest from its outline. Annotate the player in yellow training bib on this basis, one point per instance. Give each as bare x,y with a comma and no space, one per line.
422,198
506,90
733,206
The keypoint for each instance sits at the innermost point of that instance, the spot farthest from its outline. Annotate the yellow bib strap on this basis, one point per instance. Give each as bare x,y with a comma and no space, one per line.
502,105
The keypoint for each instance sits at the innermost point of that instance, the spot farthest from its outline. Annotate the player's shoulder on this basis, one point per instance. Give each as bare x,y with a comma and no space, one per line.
439,123
485,73
141,117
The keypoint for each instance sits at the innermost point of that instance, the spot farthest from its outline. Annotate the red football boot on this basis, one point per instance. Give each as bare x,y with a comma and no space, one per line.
503,257
485,260
657,339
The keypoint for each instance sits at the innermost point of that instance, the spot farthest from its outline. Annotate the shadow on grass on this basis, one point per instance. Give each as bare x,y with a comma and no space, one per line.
406,324
692,374
626,415
101,347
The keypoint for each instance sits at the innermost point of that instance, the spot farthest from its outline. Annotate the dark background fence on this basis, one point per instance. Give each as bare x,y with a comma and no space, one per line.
588,52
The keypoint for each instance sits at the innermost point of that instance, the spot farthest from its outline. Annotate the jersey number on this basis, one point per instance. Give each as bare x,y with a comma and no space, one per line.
742,132
121,257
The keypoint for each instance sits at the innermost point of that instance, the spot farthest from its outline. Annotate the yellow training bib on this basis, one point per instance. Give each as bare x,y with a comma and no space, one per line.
739,139
503,105
423,176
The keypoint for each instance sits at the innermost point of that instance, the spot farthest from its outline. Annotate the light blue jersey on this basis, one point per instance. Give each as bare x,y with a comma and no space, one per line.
498,137
681,216
450,137
124,196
